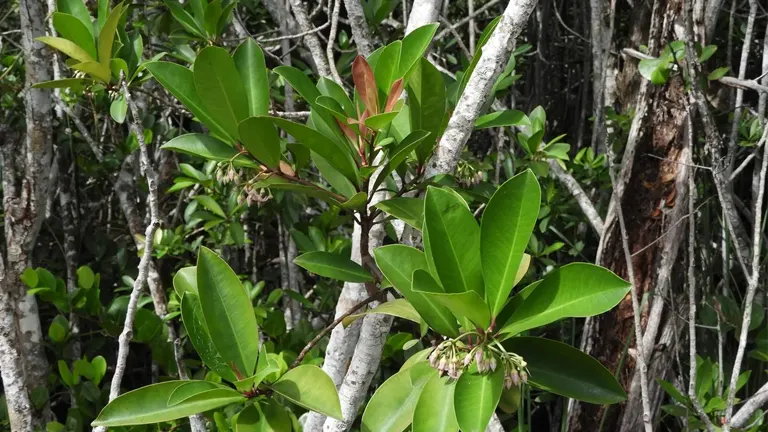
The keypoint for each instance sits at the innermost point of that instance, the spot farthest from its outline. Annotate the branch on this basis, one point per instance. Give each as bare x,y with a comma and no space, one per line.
423,12
495,56
579,195
468,18
332,40
311,344
737,83
295,36
359,25
310,39
146,257
757,401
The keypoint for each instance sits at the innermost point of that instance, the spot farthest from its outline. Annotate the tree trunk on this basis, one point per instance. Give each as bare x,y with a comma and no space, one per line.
648,188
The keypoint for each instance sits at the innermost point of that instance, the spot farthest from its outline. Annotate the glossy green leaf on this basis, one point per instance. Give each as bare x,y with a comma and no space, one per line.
414,45
718,73
453,241
333,266
67,47
220,89
75,83
398,263
267,416
194,323
180,82
309,387
212,15
185,280
228,312
391,407
380,121
77,9
73,29
386,69
466,304
400,308
118,109
261,373
149,405
475,399
434,411
333,152
575,290
206,147
407,146
249,61
330,174
584,378
211,205
184,18
261,139
96,70
408,210
107,35
506,227
427,103
191,388
502,118
510,399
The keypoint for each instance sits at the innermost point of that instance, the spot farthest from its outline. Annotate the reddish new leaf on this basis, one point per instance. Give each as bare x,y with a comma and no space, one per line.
365,84
394,95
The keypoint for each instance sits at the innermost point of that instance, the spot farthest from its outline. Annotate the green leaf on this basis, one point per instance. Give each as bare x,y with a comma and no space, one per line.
415,44
333,266
72,28
29,277
261,374
334,153
380,121
575,290
67,47
267,416
506,227
58,329
718,73
309,387
107,35
426,101
502,118
190,389
434,411
149,405
179,81
386,68
85,277
408,210
212,15
206,147
228,312
77,9
99,365
184,18
118,109
75,83
211,205
583,378
194,323
220,89
475,399
249,61
707,52
398,308
466,304
337,181
391,407
453,241
96,70
404,149
398,263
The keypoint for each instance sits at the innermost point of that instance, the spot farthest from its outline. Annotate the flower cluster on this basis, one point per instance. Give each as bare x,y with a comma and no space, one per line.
452,357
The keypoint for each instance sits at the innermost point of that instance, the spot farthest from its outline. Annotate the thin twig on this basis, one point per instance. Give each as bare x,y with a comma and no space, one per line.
154,224
332,40
311,344
466,19
295,36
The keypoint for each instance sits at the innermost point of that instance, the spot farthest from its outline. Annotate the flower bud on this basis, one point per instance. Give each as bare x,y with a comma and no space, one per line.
467,360
493,364
442,365
515,378
524,376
